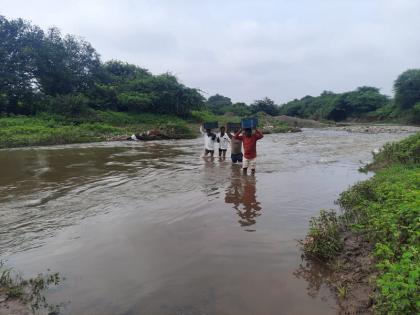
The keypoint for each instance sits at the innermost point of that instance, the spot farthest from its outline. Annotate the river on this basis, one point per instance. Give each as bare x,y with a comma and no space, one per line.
152,228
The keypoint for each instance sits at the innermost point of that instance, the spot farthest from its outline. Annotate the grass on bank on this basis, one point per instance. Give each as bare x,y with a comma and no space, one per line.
386,210
48,129
98,126
28,291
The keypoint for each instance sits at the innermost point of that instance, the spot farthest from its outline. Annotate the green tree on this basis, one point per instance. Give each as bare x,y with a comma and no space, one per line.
407,88
219,104
18,83
66,64
265,105
65,74
241,109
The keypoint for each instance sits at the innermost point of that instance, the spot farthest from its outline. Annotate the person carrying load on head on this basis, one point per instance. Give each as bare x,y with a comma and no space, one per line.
209,141
249,140
224,141
235,146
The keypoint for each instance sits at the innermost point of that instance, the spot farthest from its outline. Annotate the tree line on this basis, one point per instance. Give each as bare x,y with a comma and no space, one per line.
365,102
46,71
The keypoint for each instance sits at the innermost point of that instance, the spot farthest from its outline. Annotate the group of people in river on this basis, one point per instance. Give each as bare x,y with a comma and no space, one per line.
246,138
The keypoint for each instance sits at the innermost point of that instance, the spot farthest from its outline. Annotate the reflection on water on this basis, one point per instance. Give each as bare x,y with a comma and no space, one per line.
152,228
315,274
242,194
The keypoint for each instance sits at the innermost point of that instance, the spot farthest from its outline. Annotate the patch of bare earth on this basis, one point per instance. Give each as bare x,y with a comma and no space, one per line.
353,274
13,307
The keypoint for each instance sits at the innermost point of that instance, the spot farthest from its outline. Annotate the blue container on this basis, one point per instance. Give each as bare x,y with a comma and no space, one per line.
231,126
211,125
249,123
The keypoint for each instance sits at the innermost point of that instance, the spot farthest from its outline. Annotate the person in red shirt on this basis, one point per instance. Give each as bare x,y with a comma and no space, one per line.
249,141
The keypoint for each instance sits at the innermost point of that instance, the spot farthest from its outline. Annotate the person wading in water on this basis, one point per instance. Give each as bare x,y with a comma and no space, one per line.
209,140
235,147
249,140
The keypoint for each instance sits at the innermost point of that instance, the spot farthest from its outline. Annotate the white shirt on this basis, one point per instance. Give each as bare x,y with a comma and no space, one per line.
224,141
208,140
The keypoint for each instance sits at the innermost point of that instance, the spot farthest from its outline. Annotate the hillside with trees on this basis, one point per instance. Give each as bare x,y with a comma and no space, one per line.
49,72
364,104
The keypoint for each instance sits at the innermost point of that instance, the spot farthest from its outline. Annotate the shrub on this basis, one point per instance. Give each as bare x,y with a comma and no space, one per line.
323,241
387,209
406,151
70,104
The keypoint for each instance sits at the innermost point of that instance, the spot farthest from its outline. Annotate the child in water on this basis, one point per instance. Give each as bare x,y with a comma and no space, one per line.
249,140
235,147
224,141
209,140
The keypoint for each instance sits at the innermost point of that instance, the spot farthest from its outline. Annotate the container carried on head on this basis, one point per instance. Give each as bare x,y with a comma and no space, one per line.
249,123
232,126
211,125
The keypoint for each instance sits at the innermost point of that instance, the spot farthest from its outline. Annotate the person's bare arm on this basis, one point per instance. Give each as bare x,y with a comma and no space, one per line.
258,134
238,134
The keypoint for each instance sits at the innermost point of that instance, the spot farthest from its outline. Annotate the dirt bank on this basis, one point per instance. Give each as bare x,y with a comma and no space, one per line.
13,307
352,275
349,276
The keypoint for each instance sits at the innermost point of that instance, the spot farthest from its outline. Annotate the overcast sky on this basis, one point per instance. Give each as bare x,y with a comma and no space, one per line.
246,49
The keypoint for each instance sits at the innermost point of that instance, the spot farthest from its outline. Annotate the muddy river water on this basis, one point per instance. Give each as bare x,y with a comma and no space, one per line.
152,228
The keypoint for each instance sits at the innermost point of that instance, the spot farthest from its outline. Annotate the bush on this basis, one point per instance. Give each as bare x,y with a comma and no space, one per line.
406,151
69,105
387,209
203,116
323,241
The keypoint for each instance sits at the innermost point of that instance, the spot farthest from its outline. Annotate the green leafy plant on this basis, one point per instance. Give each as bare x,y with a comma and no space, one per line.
30,291
323,241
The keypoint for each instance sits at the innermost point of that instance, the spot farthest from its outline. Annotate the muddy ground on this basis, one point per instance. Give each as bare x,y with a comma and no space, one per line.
350,276
13,307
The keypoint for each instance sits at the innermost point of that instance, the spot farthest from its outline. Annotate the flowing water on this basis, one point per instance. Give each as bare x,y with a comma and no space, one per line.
152,228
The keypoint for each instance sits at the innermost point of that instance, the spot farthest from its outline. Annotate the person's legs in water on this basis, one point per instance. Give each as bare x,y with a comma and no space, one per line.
245,165
249,163
206,152
252,165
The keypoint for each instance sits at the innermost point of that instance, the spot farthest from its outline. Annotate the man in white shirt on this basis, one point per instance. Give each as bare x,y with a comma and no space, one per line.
224,141
209,140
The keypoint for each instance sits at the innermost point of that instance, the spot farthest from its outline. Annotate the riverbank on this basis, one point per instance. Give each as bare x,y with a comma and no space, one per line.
372,249
46,129
19,296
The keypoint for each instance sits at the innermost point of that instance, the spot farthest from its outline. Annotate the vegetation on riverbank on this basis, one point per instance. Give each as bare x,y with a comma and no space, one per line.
365,104
19,295
99,126
385,212
47,129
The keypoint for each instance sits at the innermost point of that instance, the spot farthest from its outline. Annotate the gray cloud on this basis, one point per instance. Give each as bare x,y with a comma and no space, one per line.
247,49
